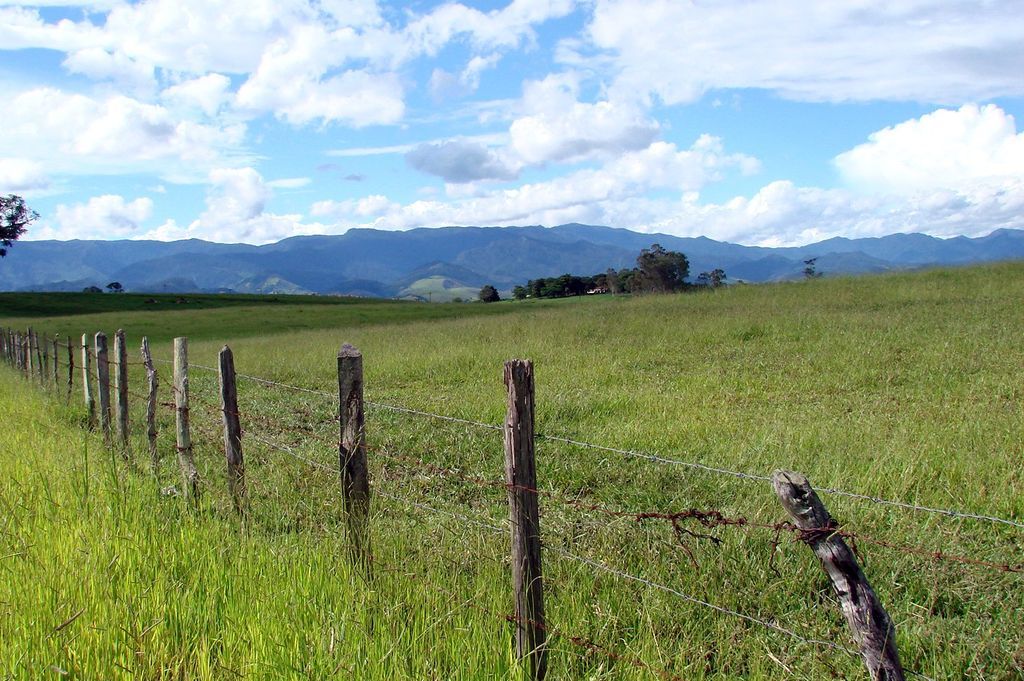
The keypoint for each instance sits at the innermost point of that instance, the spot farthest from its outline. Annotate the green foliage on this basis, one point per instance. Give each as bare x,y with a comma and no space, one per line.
115,287
660,271
713,279
811,269
489,294
15,217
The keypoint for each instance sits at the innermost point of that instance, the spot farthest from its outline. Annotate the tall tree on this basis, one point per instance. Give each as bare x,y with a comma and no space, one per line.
489,294
661,271
15,217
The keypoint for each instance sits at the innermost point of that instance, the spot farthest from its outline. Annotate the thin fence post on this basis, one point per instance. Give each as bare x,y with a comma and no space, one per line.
232,429
90,403
872,628
103,382
44,364
40,369
521,480
121,389
71,368
355,480
56,364
189,474
151,384
29,368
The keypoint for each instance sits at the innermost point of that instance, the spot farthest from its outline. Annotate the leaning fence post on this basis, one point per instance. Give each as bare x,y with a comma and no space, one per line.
29,368
90,403
44,364
151,383
355,480
873,631
232,429
521,480
103,382
189,474
121,388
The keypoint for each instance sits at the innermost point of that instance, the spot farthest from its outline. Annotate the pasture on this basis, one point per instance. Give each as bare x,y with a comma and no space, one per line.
905,387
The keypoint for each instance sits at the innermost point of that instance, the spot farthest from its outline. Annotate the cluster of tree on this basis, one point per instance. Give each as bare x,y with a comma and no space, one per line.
113,287
657,271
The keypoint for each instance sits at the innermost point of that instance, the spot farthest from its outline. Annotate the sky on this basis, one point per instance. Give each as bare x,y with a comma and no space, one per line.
768,122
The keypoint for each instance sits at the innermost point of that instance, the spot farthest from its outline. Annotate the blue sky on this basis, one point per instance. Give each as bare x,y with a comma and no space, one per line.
774,122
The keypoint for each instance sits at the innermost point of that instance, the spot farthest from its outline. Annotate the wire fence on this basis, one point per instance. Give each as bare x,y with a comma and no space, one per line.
689,526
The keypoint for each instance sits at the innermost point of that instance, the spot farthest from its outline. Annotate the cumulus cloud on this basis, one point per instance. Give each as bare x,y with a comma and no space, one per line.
943,149
206,93
100,64
102,217
558,127
79,134
18,175
579,195
902,50
459,161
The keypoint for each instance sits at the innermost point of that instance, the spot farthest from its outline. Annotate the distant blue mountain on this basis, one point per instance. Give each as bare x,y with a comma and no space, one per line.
381,263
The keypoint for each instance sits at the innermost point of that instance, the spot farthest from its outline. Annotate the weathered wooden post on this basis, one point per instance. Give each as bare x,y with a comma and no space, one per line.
90,403
71,368
56,364
103,382
44,362
189,474
872,629
232,429
40,369
355,479
29,352
121,389
521,480
151,384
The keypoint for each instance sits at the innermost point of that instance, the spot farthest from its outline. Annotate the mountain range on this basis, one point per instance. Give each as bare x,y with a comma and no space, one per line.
442,263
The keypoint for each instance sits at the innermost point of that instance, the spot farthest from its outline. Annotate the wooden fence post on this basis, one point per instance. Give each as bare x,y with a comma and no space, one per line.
121,389
44,363
71,368
40,369
90,403
873,631
56,364
151,384
521,480
355,480
232,429
29,351
103,382
189,474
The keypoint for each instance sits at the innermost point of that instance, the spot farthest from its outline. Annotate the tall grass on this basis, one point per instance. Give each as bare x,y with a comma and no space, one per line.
906,386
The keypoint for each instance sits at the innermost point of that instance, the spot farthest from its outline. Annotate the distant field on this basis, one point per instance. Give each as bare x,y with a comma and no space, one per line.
215,316
908,387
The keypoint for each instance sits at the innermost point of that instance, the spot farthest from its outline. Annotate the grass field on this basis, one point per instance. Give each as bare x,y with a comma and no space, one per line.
907,387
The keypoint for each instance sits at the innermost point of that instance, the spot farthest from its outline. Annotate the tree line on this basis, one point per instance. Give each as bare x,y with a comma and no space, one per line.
657,271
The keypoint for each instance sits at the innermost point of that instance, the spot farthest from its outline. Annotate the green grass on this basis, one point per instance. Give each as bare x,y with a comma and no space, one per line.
902,386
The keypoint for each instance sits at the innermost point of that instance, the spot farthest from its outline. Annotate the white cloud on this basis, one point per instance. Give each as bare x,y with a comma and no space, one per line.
923,50
18,175
236,203
206,93
99,64
558,127
576,196
943,149
102,217
79,134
